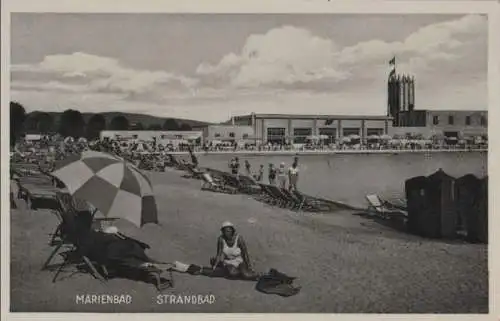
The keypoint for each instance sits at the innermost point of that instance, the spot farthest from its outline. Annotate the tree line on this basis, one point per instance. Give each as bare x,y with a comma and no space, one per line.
72,123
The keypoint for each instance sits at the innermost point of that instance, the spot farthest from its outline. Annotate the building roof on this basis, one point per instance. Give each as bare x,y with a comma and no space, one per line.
482,111
305,116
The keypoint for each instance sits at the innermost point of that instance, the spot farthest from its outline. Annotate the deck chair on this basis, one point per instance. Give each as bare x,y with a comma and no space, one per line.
266,195
298,203
280,199
72,231
68,231
248,184
36,189
383,209
215,185
193,172
309,203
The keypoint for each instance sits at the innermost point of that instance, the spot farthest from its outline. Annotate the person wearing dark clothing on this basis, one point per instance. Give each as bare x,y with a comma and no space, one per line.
248,168
194,159
272,174
234,165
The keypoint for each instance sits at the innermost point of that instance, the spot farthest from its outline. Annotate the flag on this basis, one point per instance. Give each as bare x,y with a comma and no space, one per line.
392,61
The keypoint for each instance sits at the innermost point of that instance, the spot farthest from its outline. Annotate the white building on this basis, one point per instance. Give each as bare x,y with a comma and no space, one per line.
279,128
161,137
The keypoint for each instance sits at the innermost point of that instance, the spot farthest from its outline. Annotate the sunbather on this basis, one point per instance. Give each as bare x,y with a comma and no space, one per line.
232,255
116,251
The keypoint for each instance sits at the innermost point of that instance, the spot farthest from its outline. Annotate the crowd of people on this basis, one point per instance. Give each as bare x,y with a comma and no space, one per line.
286,178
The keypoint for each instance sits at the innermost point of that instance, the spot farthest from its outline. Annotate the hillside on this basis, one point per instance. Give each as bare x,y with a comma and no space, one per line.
146,120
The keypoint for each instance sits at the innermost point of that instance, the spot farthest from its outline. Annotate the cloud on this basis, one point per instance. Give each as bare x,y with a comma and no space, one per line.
290,56
103,74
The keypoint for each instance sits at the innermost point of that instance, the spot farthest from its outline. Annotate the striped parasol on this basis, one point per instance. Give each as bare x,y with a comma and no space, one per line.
115,187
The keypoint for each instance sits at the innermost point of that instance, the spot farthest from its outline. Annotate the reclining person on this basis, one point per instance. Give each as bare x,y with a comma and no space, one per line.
115,251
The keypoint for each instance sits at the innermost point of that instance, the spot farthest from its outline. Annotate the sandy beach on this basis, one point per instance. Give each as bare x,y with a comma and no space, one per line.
345,263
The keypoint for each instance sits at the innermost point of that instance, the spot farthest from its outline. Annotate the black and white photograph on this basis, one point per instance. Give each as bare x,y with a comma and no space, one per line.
248,162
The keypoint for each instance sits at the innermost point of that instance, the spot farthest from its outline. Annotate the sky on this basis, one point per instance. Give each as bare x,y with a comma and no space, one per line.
214,66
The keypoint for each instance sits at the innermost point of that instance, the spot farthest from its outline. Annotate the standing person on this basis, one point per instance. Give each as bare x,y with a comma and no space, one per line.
282,176
260,176
248,168
272,174
293,175
194,159
234,165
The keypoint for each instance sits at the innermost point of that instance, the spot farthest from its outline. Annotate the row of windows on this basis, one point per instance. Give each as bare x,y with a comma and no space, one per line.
231,134
277,134
451,120
161,136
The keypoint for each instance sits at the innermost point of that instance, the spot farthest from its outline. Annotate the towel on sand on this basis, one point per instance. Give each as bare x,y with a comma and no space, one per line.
275,282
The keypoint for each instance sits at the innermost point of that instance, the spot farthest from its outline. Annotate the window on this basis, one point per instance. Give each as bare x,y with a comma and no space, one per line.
330,132
300,135
348,131
451,120
276,135
467,120
231,134
245,136
374,131
435,120
483,121
216,135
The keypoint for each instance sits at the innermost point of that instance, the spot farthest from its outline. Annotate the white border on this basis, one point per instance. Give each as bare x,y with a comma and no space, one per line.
492,8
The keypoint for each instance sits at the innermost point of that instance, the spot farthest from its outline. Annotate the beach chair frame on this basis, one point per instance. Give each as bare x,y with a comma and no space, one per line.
248,185
310,203
216,185
383,209
73,256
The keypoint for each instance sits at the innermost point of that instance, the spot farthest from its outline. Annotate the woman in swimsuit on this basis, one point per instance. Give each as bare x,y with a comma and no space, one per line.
232,254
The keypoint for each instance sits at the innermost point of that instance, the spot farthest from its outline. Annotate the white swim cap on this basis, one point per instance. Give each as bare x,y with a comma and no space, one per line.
227,224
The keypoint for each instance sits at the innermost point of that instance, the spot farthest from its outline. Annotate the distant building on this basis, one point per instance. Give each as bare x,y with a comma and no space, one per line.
227,133
282,128
407,120
450,123
161,137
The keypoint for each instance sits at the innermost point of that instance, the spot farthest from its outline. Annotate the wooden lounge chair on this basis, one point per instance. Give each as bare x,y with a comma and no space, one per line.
277,197
248,185
383,209
72,230
297,201
68,233
309,203
36,190
193,172
266,195
215,185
